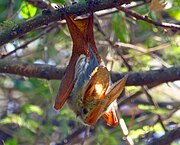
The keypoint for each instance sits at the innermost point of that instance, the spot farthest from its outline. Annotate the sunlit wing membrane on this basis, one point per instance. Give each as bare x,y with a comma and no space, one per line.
97,85
115,91
110,116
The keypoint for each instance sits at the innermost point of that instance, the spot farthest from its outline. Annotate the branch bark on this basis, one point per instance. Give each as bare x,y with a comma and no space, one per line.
40,4
50,72
44,71
145,18
50,16
168,138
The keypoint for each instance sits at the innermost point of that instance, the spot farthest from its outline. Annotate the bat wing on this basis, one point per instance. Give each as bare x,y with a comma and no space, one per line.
97,85
81,31
110,116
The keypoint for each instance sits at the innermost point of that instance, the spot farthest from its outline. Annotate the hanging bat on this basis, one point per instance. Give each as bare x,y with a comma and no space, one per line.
86,85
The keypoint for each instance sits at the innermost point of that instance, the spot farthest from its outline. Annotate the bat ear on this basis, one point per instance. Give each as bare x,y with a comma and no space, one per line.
97,85
110,116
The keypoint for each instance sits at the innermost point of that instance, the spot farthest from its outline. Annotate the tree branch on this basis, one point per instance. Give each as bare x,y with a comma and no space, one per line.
145,18
50,72
168,138
31,70
28,42
40,4
50,16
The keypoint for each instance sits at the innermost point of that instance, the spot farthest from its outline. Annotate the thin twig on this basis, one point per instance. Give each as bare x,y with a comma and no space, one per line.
145,18
124,129
41,4
73,135
86,135
149,97
168,138
48,17
161,122
24,45
112,11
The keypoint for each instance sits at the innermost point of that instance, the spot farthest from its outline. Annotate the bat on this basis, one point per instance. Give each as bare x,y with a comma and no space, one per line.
86,85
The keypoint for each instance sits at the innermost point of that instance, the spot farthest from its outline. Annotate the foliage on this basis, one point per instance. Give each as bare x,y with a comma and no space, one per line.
27,10
26,113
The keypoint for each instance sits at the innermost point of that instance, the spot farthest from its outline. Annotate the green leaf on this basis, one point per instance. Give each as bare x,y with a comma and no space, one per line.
160,111
174,13
11,141
132,88
158,127
172,56
121,27
6,24
81,0
16,119
136,133
27,10
58,1
104,137
3,10
142,131
33,108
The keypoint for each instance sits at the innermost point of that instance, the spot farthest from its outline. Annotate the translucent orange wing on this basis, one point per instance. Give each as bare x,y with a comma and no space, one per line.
111,96
97,85
111,117
79,30
115,91
67,84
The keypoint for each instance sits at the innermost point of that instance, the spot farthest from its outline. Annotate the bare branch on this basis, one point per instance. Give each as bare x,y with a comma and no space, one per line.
50,16
168,138
152,77
31,70
145,18
24,45
50,72
40,4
